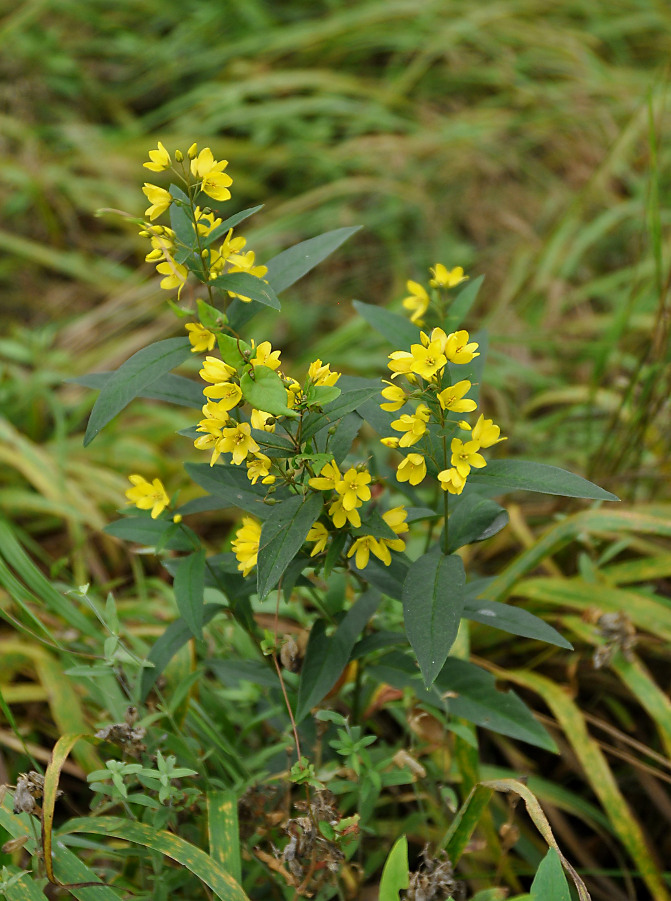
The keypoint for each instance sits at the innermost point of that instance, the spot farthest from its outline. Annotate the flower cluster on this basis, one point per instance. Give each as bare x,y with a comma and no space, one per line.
202,175
436,401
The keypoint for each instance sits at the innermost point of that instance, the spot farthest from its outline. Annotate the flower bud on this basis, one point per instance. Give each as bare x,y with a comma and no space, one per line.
179,156
192,151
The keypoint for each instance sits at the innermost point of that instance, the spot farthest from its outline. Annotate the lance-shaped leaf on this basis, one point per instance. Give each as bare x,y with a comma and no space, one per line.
221,230
473,518
189,587
131,379
247,285
153,532
327,656
263,389
500,476
460,306
395,876
433,600
515,620
550,881
231,485
174,389
398,330
167,645
346,403
282,536
287,267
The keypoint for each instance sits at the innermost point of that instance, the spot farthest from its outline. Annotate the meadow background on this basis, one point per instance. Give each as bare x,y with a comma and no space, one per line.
527,141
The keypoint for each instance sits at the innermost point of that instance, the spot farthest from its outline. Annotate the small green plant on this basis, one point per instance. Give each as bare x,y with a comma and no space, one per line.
360,540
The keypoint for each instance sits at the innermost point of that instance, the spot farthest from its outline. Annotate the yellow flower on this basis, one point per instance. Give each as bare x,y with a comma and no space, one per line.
451,481
228,393
486,433
205,222
159,159
340,516
364,546
354,488
392,441
444,278
148,495
465,455
211,441
458,350
259,420
259,468
417,302
437,338
214,412
265,355
451,398
159,198
294,393
413,425
321,374
396,520
175,275
394,395
412,469
246,544
229,250
214,181
215,370
320,535
238,442
401,362
329,477
201,338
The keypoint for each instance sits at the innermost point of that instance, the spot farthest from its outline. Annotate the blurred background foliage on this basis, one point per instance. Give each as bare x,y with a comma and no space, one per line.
526,140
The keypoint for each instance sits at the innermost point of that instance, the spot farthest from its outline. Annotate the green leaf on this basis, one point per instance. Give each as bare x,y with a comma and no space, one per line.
189,587
231,485
433,599
152,532
465,822
387,579
473,696
346,403
395,876
461,305
132,377
263,389
326,657
222,230
223,831
181,219
500,476
193,858
474,518
398,330
479,701
374,525
282,536
515,620
550,883
175,389
288,267
231,350
164,649
208,315
321,395
247,285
